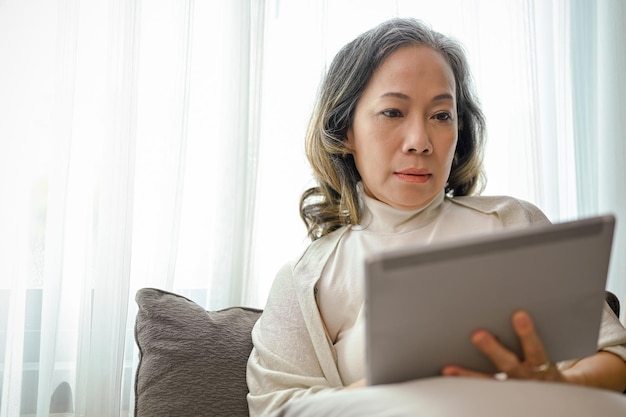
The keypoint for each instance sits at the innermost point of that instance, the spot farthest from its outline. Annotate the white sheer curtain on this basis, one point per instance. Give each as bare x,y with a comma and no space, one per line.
159,143
128,155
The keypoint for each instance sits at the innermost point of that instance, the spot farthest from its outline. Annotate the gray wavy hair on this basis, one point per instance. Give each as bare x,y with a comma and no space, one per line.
333,203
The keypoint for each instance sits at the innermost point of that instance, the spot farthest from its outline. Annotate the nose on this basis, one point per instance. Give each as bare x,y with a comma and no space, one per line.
416,138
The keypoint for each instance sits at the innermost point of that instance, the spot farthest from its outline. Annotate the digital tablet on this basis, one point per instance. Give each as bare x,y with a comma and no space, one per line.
422,304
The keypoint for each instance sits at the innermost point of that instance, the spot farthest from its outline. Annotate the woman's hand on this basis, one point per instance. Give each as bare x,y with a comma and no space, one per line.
534,365
602,370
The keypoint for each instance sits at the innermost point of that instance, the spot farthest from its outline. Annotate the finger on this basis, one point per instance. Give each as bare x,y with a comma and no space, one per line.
532,346
501,357
458,371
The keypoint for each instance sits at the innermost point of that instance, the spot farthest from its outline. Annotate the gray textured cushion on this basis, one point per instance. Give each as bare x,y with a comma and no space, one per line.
192,362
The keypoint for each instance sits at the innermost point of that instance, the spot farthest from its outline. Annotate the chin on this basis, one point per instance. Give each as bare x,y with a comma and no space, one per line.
413,203
406,205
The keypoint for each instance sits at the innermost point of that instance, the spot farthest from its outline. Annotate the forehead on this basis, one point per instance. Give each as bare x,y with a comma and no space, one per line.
412,66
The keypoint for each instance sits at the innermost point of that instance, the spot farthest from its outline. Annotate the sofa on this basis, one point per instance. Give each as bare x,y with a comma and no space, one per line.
193,363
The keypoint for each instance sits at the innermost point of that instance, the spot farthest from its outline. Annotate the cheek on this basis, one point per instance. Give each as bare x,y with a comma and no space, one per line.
360,143
369,162
451,147
445,154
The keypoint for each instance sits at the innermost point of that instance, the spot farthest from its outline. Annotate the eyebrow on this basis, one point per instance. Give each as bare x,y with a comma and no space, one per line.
402,96
395,95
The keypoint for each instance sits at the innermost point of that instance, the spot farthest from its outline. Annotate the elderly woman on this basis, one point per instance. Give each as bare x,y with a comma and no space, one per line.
395,142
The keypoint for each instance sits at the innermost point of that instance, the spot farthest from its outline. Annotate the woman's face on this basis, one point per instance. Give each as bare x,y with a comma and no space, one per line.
405,128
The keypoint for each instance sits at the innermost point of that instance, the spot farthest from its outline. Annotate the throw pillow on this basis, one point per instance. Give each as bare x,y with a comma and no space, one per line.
192,361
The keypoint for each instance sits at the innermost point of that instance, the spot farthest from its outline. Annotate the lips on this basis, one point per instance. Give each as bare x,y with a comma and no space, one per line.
413,175
414,171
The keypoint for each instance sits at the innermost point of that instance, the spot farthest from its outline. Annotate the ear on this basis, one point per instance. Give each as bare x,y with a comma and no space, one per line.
349,142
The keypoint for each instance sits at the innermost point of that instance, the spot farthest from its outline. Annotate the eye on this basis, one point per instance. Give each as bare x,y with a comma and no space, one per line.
392,113
443,116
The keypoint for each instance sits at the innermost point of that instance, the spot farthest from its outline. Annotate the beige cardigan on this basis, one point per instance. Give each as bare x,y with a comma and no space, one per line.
293,356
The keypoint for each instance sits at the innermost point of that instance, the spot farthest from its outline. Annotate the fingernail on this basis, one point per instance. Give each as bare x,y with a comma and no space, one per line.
521,319
479,337
450,371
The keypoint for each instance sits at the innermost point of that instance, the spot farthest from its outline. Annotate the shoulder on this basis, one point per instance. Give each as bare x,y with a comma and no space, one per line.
320,249
510,210
309,265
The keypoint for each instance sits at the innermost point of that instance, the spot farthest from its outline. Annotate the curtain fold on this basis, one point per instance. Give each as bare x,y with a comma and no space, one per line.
610,70
114,224
57,206
160,144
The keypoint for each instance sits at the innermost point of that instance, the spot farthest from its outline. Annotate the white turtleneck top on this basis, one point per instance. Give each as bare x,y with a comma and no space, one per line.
340,289
310,337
